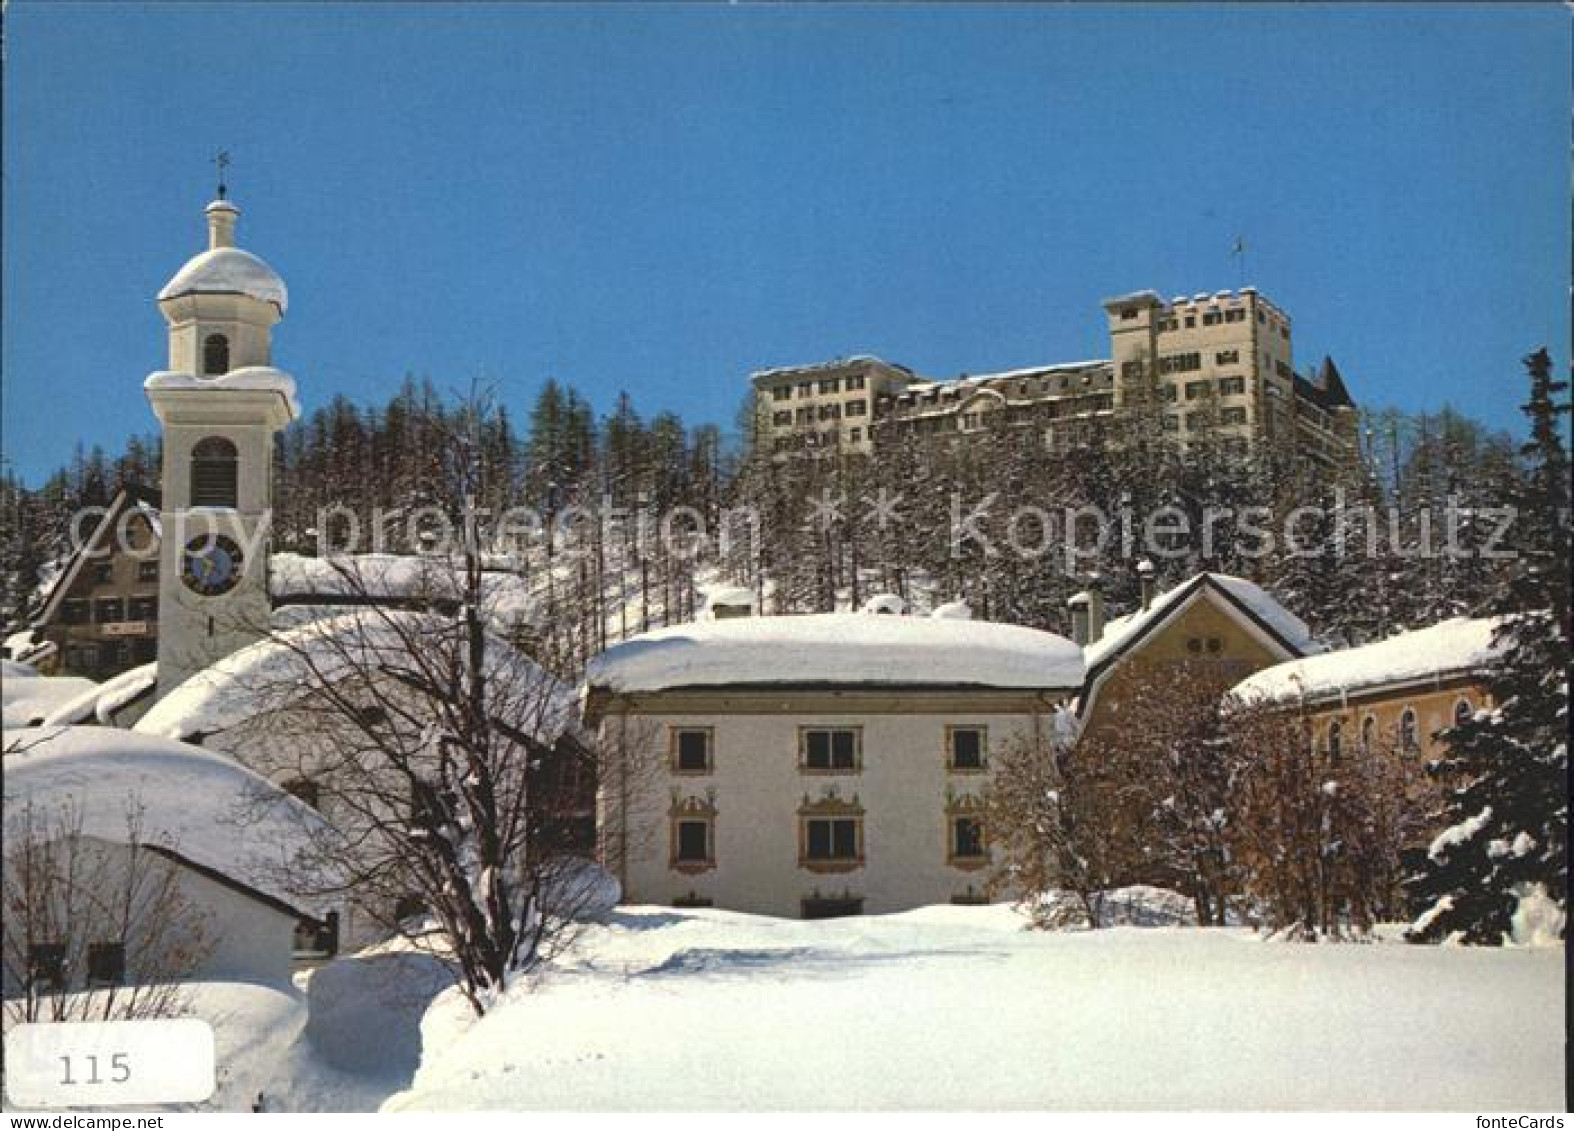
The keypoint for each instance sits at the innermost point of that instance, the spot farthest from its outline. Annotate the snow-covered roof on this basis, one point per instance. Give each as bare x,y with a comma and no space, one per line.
1134,296
1254,608
368,578
838,648
203,807
953,610
27,698
826,366
1248,595
100,702
228,271
271,674
254,378
726,596
1453,648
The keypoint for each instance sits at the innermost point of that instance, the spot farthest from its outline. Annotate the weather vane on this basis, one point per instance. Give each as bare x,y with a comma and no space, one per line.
222,161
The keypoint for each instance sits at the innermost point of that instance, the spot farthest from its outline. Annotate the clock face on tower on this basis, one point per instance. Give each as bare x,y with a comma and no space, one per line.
211,565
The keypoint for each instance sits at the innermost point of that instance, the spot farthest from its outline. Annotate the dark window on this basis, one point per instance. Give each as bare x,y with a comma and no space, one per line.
408,907
832,838
144,608
109,610
693,751
781,392
693,842
854,435
1368,734
822,908
830,749
106,963
1232,386
967,748
854,383
781,418
74,612
46,966
213,473
215,355
148,570
1235,415
967,838
371,716
857,408
1409,732
103,573
1463,712
1335,740
305,790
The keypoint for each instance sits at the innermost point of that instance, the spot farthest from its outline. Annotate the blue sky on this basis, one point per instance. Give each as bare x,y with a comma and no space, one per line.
662,199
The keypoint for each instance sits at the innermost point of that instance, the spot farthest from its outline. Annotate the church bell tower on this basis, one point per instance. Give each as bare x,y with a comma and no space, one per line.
219,404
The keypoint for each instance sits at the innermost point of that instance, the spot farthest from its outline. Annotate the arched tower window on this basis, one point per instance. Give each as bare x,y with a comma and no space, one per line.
215,355
1368,734
1409,731
1335,740
1463,712
213,473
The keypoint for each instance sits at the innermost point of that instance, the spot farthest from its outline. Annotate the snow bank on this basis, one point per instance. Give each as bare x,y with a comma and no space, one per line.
102,701
273,673
251,378
1444,651
839,648
365,1011
205,807
27,698
959,1008
228,270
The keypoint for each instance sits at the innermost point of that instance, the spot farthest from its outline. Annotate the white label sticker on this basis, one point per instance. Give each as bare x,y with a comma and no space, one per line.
109,1063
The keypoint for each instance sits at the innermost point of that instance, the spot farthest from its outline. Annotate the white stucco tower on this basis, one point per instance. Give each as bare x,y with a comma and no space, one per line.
220,403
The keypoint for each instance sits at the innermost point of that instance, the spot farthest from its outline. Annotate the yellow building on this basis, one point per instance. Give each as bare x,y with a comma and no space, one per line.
1401,691
1218,628
1220,366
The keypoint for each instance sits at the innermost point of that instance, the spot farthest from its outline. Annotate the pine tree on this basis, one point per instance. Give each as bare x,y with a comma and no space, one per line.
1507,768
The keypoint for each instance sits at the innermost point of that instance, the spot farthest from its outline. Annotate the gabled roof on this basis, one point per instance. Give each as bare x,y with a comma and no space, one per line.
1248,603
129,495
1327,390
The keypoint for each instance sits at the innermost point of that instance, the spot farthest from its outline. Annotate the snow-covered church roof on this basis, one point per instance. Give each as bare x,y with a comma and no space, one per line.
1448,650
228,271
202,807
839,648
272,674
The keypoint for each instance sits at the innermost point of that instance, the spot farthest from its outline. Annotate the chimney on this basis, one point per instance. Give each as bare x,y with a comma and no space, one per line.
1095,608
1078,604
221,224
1145,572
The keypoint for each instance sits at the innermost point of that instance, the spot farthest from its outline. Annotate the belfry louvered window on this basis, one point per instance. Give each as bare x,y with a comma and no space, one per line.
215,355
213,473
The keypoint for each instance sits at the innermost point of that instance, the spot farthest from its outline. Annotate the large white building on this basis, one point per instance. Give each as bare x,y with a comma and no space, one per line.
819,765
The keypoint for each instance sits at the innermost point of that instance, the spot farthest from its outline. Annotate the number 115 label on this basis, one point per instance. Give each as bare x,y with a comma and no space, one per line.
109,1063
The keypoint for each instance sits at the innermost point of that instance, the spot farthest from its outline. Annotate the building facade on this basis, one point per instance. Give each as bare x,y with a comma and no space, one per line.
101,616
815,766
1399,693
1213,367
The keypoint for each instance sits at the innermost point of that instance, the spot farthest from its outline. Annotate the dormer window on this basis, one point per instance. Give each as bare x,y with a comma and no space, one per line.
215,355
213,473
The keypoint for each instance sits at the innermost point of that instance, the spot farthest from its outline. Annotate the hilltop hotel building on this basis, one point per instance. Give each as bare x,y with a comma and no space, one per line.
1220,363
